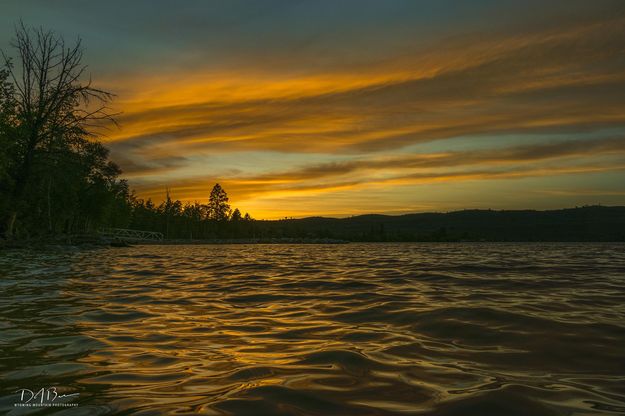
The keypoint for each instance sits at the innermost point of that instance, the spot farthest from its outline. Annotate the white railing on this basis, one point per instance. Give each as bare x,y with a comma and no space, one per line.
131,235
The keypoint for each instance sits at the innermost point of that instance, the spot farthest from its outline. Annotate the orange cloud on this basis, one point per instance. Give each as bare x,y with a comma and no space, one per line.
461,88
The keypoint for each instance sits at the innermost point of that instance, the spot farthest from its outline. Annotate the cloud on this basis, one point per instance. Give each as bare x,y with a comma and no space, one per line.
499,156
553,81
561,158
137,167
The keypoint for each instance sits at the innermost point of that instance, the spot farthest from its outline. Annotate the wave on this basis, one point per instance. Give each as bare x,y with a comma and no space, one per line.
362,329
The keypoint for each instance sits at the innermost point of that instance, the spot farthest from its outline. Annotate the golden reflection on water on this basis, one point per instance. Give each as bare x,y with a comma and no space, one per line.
354,329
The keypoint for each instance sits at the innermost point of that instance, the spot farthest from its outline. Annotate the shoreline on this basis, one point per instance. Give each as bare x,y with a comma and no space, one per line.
94,241
82,243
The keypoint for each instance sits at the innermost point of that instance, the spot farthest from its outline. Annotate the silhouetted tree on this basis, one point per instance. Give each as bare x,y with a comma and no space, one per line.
218,207
53,109
7,109
236,215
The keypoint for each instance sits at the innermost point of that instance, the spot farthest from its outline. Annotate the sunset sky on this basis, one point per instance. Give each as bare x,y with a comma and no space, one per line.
336,108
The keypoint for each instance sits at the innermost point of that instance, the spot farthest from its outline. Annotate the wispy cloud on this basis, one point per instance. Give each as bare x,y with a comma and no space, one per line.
562,158
539,82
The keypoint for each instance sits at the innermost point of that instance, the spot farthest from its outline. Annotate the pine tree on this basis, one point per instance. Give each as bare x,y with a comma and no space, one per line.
236,215
218,207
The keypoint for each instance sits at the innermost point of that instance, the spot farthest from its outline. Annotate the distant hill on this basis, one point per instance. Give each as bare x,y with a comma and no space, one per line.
591,223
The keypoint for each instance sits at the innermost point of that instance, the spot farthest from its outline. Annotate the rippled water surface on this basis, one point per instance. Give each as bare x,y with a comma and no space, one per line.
357,329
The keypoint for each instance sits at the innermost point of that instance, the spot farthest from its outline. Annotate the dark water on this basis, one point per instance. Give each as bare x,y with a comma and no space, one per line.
358,329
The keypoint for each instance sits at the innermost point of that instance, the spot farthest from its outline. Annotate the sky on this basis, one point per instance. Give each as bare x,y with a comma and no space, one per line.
338,108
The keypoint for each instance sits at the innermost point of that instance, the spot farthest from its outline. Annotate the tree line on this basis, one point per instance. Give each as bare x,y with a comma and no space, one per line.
215,219
55,176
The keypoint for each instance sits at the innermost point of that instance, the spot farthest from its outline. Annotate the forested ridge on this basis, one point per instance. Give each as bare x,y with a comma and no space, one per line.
590,223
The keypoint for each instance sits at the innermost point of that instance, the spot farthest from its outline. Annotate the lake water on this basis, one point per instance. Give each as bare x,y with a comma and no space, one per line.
356,329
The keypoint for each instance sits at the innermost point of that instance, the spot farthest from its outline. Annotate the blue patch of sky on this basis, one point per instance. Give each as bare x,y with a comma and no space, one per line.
501,141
